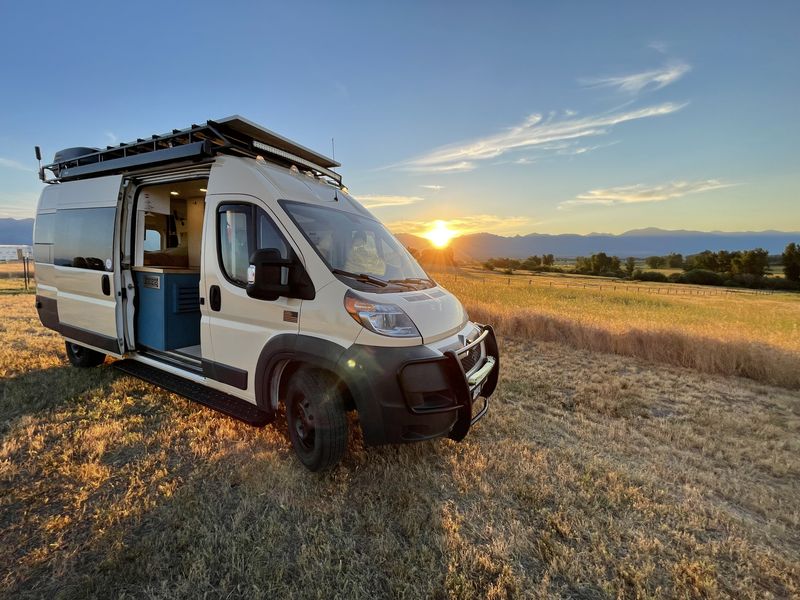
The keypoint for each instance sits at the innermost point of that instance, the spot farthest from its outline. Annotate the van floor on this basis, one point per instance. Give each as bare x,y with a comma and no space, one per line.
192,351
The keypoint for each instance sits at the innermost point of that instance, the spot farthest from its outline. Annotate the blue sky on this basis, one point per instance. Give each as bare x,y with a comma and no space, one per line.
502,117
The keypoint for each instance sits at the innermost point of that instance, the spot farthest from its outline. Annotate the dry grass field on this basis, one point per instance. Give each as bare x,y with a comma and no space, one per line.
746,334
14,268
593,476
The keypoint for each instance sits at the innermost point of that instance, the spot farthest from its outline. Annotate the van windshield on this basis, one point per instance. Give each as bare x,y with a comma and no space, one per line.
352,244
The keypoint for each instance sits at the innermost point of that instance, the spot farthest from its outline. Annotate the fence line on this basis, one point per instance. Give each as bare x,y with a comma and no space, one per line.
674,289
25,270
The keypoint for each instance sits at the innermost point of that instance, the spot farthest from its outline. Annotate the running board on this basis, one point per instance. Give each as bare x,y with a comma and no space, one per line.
220,401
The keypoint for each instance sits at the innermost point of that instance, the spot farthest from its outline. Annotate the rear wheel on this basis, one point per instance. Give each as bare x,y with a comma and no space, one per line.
316,418
83,357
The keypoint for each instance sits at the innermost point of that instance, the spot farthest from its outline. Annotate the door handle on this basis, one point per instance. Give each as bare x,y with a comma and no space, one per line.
214,297
105,283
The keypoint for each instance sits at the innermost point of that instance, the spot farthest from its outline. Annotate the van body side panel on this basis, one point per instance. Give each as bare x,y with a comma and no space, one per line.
239,326
78,268
82,303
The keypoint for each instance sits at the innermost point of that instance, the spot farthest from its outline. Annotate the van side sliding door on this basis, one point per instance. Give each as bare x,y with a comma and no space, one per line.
86,261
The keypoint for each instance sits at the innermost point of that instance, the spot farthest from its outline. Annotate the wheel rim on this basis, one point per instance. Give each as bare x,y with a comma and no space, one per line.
303,422
77,351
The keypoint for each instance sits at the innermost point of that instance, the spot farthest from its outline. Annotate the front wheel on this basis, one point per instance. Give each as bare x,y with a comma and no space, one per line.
83,357
316,418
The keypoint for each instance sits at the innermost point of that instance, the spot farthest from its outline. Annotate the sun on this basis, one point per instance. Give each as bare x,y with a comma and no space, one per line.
440,235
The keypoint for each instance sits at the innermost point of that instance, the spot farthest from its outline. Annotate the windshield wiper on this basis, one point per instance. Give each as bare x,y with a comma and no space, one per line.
413,280
361,277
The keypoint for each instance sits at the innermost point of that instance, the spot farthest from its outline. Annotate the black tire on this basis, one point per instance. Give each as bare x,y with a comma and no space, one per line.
83,357
316,418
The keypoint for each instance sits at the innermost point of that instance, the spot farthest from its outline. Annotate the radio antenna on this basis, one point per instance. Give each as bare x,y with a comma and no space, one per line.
333,150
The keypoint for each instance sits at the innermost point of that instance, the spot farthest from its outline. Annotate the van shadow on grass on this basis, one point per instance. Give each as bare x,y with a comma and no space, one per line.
134,491
139,491
171,499
37,391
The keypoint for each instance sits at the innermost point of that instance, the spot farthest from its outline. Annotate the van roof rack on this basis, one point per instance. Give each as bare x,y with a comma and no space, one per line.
231,135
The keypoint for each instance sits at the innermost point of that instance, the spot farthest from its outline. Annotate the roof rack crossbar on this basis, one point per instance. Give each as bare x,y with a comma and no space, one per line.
232,135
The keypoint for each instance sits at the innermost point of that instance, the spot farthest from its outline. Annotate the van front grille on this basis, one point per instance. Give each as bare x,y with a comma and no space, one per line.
471,358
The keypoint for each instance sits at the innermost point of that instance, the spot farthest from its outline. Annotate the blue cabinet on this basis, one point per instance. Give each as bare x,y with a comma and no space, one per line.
168,312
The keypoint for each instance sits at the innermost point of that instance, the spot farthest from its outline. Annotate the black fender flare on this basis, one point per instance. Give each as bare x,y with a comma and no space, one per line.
295,347
327,355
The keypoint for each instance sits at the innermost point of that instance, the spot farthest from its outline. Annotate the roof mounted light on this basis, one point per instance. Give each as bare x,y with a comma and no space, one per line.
297,160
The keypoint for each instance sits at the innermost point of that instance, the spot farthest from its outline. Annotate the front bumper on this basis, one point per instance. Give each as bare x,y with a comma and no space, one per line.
414,394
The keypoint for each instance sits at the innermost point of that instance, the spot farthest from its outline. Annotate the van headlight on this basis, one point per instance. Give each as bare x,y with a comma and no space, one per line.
382,318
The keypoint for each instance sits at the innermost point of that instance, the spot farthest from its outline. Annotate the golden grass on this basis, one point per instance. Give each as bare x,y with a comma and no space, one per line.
755,336
592,476
14,268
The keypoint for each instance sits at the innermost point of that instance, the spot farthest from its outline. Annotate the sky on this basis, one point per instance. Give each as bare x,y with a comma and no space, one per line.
511,118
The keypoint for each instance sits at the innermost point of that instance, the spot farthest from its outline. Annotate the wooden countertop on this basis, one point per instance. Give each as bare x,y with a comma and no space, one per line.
166,270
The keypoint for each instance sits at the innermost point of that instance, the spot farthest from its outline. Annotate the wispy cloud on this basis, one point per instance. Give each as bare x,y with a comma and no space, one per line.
464,225
7,163
577,149
636,82
533,132
16,212
18,205
379,201
435,188
658,46
631,194
111,137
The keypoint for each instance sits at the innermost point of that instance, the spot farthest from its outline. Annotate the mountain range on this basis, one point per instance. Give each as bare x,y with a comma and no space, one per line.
637,242
480,246
16,232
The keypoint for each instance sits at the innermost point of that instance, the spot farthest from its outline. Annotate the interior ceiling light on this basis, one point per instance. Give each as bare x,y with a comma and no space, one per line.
203,190
173,193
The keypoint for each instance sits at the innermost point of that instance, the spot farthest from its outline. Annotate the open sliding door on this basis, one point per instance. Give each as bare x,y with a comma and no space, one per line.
86,260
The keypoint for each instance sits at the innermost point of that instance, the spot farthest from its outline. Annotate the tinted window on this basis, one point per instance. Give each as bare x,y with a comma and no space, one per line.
43,238
242,229
84,238
43,231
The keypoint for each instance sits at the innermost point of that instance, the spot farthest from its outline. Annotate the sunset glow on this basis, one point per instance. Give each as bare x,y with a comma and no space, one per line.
440,235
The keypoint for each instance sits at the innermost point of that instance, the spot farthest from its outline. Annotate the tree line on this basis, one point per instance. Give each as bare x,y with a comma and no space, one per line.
752,262
747,268
532,263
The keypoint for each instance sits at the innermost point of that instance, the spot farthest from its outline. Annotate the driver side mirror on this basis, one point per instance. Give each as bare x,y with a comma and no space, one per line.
271,276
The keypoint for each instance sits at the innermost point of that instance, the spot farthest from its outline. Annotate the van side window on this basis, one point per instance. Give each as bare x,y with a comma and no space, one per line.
84,238
241,230
269,236
152,240
43,232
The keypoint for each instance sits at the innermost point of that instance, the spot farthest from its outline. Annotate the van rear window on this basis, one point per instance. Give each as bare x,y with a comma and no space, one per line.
43,232
84,238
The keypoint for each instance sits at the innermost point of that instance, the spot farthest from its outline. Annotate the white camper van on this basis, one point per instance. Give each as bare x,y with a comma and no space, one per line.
228,264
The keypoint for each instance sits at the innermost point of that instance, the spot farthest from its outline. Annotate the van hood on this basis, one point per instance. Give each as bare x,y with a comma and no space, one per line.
436,312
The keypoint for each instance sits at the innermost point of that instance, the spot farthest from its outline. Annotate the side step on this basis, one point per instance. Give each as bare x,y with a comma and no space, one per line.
224,403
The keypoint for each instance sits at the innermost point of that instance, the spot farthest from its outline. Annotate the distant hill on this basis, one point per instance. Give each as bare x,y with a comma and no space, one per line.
637,242
480,246
16,231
